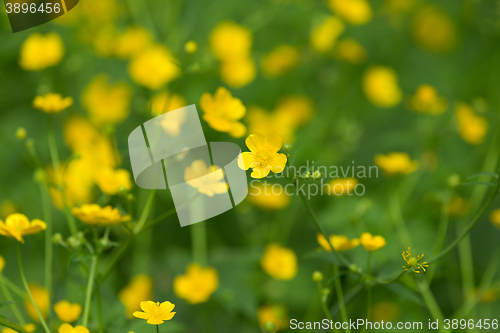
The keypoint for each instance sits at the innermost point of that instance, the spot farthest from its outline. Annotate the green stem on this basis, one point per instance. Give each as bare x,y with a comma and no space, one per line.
145,212
88,295
9,298
48,239
199,243
157,328
52,145
431,303
99,306
9,284
340,296
6,323
324,306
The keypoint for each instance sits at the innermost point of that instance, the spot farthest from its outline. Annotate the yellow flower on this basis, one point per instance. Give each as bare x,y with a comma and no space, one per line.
21,133
396,163
490,295
139,288
351,51
67,312
458,206
41,51
166,101
97,215
343,186
2,264
7,208
280,60
263,156
280,123
238,72
298,108
41,298
279,262
154,67
426,100
52,103
325,35
356,12
29,328
155,313
273,313
17,225
110,181
380,85
67,328
384,310
372,243
207,180
132,42
339,242
434,30
495,218
413,263
265,197
229,41
197,285
190,47
222,112
471,127
107,104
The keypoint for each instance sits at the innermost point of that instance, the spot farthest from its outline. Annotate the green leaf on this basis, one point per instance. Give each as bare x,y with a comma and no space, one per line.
485,173
15,327
336,276
477,183
323,256
406,293
2,304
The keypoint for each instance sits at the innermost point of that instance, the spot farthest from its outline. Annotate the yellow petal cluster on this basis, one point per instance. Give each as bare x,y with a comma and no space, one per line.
197,285
396,163
110,181
380,85
273,313
339,242
279,262
265,197
17,225
263,156
41,51
29,328
325,35
67,312
355,12
42,301
280,60
139,288
2,264
349,50
207,180
165,101
471,127
495,218
155,313
97,215
132,42
342,186
372,243
434,30
67,328
426,100
52,103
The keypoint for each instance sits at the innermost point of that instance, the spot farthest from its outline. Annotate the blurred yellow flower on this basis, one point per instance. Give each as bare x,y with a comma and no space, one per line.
414,263
384,310
132,42
138,289
165,101
76,179
279,262
396,163
471,127
280,60
7,208
2,264
434,30
197,285
41,298
426,100
107,104
29,328
458,206
325,35
495,217
154,67
372,243
355,12
222,112
67,312
190,47
67,328
17,225
341,186
298,108
490,295
110,181
339,242
273,313
351,51
207,180
263,156
52,103
229,41
265,197
380,85
41,51
238,72
155,313
97,215
396,7
279,123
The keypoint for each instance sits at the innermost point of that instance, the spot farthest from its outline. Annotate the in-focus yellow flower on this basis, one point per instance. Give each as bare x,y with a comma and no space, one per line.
426,100
197,285
166,101
342,186
29,328
238,72
111,181
222,112
190,47
67,328
229,41
67,312
396,163
495,217
280,60
52,103
351,51
107,104
273,313
414,263
155,313
263,156
7,207
154,67
17,225
207,180
372,243
132,42
471,127
434,30
380,85
97,215
41,298
339,242
279,262
265,197
325,35
138,289
41,51
356,12
2,264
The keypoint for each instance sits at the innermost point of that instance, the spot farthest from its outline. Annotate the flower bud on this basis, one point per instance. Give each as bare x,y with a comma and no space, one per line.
317,276
57,238
269,327
21,133
40,175
74,242
30,143
326,291
453,180
191,47
287,146
317,175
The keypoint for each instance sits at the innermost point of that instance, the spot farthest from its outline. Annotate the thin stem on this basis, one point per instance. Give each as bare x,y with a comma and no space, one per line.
9,298
430,302
88,295
9,284
324,306
340,296
157,328
99,306
48,239
52,145
199,243
368,285
145,212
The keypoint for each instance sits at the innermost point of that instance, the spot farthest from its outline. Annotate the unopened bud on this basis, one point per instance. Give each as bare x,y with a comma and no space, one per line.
453,180
191,47
317,276
57,238
287,146
317,175
269,327
21,133
74,242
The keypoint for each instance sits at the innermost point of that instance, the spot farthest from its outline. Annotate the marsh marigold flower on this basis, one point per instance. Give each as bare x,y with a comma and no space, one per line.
471,127
414,263
280,60
325,35
2,264
339,242
238,72
52,103
426,100
166,101
97,215
155,313
265,197
197,285
139,288
222,112
17,225
132,42
351,51
154,67
356,12
434,30
380,85
67,328
207,180
41,298
263,156
279,262
229,41
273,313
495,218
111,181
67,312
396,163
41,51
342,186
372,243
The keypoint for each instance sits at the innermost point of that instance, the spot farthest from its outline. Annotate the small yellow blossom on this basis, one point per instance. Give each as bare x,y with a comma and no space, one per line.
495,217
29,328
413,263
97,215
52,103
325,35
7,208
154,67
138,289
263,156
280,60
166,101
434,30
238,72
41,298
265,197
384,310
41,51
426,100
351,51
111,181
197,285
396,163
2,264
67,312
372,243
207,180
339,242
222,112
380,85
155,313
229,41
132,42
190,47
471,127
298,108
355,12
67,328
17,225
273,313
279,262
342,186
